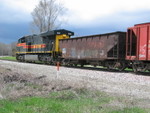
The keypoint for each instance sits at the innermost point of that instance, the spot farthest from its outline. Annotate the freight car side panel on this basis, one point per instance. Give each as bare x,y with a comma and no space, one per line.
143,41
148,44
98,47
143,38
82,48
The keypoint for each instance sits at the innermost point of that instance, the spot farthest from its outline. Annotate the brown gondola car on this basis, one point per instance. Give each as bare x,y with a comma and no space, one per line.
103,49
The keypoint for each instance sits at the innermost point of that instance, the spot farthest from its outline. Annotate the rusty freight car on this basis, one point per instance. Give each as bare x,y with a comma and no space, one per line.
138,47
106,50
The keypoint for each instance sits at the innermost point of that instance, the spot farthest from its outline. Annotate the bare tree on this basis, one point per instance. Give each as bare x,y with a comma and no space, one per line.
45,15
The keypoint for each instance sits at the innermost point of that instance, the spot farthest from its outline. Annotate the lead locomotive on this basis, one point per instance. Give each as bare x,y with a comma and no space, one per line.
43,47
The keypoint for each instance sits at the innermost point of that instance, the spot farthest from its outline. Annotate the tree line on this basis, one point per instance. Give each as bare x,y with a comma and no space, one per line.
7,49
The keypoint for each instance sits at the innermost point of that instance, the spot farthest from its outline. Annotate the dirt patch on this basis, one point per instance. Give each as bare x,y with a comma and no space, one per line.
15,85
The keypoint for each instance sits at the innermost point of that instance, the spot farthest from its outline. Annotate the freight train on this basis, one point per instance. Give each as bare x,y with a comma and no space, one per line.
117,50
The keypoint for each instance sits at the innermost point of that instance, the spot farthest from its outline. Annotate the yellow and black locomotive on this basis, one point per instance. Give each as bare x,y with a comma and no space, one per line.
43,47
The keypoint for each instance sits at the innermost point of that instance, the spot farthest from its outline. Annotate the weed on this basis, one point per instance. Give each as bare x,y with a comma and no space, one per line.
130,110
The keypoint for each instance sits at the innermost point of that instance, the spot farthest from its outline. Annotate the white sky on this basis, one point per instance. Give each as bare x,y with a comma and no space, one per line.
80,12
83,16
90,9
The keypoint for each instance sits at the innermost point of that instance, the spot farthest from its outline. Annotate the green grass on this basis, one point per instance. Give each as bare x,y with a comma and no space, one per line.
130,110
8,58
76,101
57,102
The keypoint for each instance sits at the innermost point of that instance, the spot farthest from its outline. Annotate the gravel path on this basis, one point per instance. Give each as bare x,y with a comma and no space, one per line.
126,84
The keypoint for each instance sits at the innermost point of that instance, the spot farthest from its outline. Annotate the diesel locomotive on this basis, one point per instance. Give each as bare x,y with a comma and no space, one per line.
43,47
116,50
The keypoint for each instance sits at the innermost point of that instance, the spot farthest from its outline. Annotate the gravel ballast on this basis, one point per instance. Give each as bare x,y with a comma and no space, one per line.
115,83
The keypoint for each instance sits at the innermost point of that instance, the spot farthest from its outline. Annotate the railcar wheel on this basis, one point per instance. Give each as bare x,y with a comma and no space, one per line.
82,65
75,65
65,62
134,67
109,65
139,67
122,66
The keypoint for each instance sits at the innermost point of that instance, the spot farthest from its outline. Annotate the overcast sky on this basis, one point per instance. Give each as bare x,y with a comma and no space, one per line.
84,17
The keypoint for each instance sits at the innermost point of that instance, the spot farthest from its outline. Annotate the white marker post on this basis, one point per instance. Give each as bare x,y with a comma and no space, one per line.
58,65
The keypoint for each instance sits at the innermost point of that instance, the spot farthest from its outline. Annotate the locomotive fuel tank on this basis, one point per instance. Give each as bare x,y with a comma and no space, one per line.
31,58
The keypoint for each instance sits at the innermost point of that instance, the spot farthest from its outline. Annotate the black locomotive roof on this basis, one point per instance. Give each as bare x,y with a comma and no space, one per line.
57,32
51,33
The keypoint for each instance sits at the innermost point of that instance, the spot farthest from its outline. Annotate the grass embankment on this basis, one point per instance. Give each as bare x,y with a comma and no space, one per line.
8,58
26,93
67,101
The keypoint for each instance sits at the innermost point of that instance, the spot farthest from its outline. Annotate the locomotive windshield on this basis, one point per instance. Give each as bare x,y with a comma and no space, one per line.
21,40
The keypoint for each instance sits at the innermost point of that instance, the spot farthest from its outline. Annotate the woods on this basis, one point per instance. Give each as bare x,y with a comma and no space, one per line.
7,49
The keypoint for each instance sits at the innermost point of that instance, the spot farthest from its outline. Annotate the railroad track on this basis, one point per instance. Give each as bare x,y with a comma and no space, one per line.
88,68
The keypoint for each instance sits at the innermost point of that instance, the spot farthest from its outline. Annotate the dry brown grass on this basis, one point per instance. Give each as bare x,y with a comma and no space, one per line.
15,85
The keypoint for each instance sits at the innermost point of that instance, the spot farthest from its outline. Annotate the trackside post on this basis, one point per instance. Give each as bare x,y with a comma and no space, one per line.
58,66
